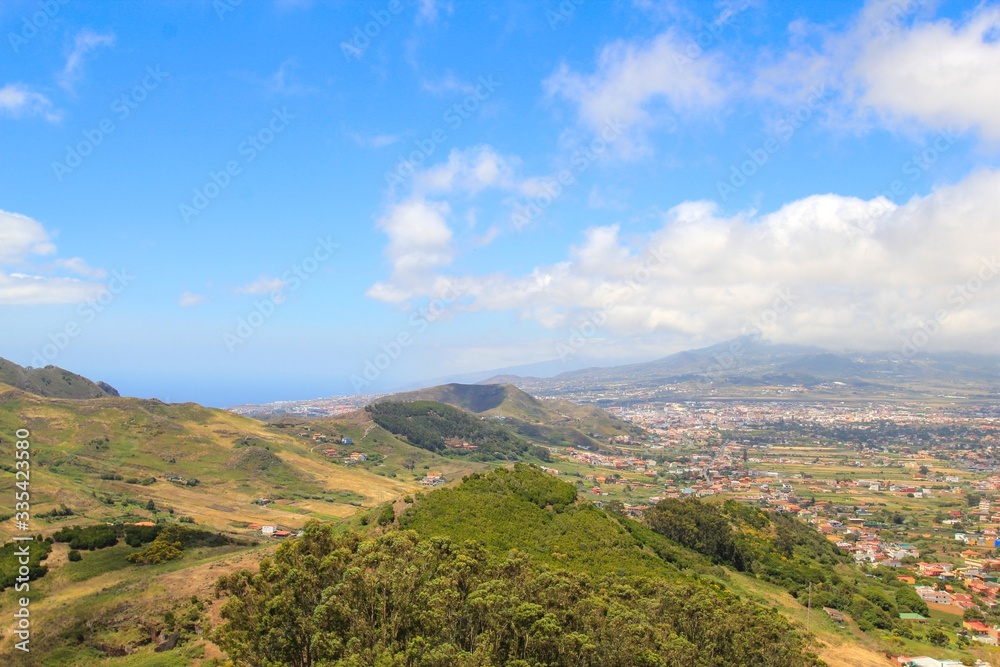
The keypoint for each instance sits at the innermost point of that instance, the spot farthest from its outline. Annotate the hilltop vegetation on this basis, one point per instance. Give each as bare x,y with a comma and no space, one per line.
430,597
52,381
528,510
433,426
542,422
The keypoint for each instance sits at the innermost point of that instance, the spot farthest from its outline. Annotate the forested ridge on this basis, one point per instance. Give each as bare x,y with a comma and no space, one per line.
531,578
784,551
430,425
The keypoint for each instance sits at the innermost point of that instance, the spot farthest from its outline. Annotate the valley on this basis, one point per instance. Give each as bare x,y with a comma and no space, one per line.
843,516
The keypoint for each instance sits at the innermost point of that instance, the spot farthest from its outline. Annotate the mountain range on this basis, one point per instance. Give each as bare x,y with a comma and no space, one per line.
749,368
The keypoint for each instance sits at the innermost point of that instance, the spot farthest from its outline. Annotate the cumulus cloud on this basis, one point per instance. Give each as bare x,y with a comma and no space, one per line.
23,242
84,42
19,101
895,66
468,171
642,84
80,267
419,242
938,73
263,285
857,273
19,289
418,224
20,237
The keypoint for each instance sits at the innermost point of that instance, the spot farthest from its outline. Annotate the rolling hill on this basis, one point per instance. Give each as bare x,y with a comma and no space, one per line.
106,458
52,381
550,422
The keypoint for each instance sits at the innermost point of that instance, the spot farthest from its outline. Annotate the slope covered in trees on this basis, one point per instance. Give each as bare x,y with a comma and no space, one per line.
430,425
784,551
508,570
400,599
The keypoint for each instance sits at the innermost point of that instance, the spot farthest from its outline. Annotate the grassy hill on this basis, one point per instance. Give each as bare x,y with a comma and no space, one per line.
52,381
105,459
121,460
544,422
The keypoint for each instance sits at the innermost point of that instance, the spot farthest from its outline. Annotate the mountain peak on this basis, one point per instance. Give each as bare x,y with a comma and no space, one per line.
52,382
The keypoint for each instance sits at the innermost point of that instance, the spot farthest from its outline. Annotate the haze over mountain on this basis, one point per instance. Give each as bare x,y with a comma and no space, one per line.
747,363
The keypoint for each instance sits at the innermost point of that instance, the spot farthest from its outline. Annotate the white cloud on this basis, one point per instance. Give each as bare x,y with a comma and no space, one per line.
20,237
17,101
263,285
18,289
419,242
468,171
85,41
937,73
428,11
861,274
897,67
190,299
642,84
78,266
418,224
22,242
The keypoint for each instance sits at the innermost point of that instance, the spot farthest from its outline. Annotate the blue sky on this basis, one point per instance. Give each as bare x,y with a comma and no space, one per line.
227,201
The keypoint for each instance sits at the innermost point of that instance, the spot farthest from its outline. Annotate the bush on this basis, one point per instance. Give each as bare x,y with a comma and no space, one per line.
387,516
89,538
74,556
158,552
136,536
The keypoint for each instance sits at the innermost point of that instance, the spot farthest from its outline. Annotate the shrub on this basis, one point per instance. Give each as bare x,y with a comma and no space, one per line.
74,556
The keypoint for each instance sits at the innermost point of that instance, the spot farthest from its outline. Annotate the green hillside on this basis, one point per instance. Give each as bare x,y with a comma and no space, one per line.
554,423
52,382
529,510
437,427
105,459
102,586
529,577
